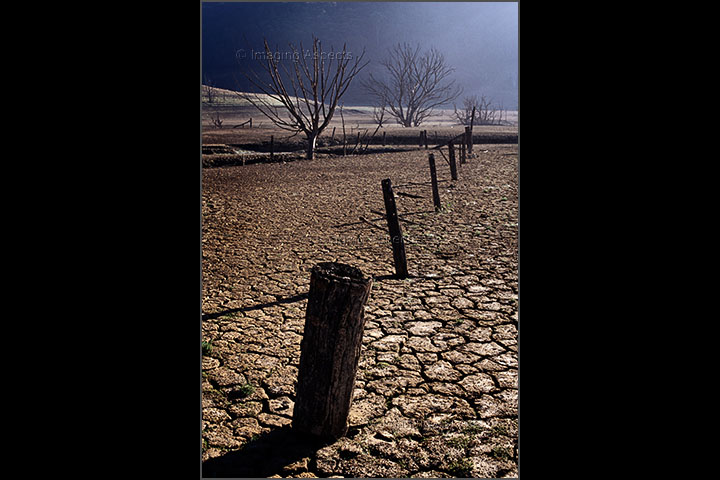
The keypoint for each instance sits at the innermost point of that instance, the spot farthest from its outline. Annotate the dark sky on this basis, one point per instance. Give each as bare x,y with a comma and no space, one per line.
478,39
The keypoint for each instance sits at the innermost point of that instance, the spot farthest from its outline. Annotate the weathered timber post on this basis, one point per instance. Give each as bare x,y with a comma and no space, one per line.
453,166
426,141
468,140
398,244
383,138
462,150
330,349
250,122
342,117
272,148
332,136
433,180
472,120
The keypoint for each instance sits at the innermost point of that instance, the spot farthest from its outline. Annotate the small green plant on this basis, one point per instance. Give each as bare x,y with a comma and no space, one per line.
207,347
461,468
247,390
461,442
501,453
472,429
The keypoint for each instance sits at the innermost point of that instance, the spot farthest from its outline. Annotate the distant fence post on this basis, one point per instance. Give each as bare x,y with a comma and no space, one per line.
433,181
272,148
472,120
398,244
330,349
453,166
468,140
462,149
426,140
383,138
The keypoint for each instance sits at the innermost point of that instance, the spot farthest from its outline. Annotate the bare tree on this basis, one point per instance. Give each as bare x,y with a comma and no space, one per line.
485,112
417,83
216,120
379,115
469,109
211,93
308,93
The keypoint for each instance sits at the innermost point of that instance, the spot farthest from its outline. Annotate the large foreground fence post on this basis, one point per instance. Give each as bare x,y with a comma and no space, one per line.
398,243
330,349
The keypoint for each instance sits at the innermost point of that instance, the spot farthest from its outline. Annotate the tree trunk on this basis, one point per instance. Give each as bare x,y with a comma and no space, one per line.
312,140
330,349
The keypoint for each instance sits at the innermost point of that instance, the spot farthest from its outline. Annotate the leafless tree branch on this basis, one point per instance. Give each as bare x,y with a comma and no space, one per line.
315,87
416,84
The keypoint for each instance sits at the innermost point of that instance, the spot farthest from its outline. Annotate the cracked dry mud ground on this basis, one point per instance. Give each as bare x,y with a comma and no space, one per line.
436,392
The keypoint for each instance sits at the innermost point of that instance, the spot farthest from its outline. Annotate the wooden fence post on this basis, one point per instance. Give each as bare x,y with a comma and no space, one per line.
453,166
426,141
383,138
398,244
272,148
462,150
468,140
433,181
472,120
330,349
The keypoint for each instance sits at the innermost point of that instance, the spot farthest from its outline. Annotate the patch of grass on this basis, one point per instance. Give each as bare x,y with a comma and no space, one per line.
462,442
472,429
501,453
207,347
461,468
247,390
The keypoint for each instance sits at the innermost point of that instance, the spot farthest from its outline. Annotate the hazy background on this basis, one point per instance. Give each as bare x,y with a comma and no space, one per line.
478,39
